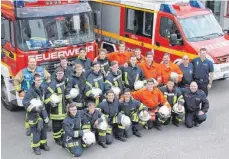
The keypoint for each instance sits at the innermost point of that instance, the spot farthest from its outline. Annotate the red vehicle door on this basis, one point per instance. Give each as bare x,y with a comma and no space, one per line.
166,24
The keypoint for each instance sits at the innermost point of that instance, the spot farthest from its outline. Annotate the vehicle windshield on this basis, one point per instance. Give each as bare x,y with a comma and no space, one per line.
201,27
47,32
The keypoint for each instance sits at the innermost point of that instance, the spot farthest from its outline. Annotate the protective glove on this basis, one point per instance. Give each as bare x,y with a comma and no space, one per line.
40,125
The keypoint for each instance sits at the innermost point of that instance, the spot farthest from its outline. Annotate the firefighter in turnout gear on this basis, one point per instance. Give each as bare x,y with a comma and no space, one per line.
68,71
174,97
84,61
102,59
55,100
95,86
95,121
132,108
37,115
110,107
114,78
131,73
77,81
73,133
153,98
24,80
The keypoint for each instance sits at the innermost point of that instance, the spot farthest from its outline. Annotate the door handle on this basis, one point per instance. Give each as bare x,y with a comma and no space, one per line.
158,43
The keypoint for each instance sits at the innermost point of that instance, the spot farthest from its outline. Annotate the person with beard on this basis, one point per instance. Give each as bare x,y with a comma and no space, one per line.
37,115
131,73
24,80
57,110
95,81
167,67
77,80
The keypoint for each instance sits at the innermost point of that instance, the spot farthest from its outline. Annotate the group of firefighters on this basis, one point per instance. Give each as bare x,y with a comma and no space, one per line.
115,96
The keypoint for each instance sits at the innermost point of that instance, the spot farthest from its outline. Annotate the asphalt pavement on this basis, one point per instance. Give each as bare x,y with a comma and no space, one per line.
208,141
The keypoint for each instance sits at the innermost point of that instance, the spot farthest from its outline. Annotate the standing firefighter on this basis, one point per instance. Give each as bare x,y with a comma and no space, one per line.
55,99
37,115
67,69
114,79
95,121
176,101
76,87
24,80
84,61
131,73
110,107
95,86
133,108
157,104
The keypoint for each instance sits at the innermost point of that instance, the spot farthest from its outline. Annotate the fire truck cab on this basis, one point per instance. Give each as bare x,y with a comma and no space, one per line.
179,28
44,30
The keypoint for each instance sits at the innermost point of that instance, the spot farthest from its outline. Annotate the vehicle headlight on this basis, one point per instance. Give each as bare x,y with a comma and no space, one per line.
210,58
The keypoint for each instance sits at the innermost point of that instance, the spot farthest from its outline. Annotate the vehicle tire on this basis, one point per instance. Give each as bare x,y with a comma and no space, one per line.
4,98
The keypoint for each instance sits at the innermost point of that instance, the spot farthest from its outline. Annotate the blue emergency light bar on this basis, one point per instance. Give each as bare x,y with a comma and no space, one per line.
196,4
21,3
167,8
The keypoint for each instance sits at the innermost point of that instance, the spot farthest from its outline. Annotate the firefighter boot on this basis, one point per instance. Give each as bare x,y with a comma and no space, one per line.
103,144
45,147
37,150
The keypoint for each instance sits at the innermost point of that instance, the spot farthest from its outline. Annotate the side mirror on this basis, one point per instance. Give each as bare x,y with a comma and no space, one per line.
174,41
97,18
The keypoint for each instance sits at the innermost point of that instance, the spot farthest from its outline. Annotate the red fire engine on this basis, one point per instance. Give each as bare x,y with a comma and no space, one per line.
163,26
45,30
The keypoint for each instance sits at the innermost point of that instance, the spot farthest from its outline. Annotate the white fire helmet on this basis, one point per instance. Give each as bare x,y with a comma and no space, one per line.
89,138
164,112
36,102
178,108
143,117
125,121
103,125
74,92
96,91
116,90
138,85
173,75
55,98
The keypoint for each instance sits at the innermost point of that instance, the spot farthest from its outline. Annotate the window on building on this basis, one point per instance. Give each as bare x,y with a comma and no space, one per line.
139,22
227,14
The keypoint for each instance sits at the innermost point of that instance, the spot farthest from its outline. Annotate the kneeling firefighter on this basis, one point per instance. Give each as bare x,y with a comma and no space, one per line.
73,133
55,99
117,121
95,121
37,115
137,112
157,104
176,100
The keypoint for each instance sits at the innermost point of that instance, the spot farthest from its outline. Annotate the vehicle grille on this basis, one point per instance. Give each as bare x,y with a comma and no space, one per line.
50,66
